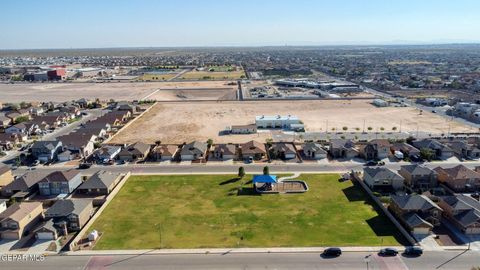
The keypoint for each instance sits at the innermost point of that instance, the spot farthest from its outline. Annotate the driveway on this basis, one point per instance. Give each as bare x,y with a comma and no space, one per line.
39,247
6,245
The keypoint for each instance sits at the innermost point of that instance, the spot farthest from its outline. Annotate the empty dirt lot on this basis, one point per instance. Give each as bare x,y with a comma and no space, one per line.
60,92
178,122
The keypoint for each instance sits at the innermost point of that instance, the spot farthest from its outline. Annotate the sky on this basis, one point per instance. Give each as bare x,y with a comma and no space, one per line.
44,24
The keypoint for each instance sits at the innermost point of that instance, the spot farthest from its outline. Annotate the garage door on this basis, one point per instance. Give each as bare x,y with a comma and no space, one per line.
421,230
45,236
9,235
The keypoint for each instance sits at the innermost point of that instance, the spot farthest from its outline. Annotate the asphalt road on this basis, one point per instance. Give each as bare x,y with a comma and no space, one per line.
340,167
348,261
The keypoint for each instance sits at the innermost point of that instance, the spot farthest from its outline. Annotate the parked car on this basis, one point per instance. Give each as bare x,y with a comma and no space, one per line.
388,252
371,163
413,251
36,162
332,252
84,166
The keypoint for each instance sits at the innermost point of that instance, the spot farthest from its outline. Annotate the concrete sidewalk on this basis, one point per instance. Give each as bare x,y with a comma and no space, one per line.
239,250
221,251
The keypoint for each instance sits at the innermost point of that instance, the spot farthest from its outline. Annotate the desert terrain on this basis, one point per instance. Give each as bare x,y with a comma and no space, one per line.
178,122
60,92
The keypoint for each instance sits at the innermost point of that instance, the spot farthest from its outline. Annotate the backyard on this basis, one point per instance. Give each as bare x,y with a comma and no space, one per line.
218,211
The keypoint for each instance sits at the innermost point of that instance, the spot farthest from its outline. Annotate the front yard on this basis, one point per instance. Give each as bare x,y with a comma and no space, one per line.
209,211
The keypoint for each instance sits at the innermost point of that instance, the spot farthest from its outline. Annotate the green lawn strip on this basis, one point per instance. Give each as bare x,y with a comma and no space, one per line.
205,211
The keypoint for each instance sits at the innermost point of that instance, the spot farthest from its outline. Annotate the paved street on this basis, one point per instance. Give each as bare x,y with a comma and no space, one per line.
350,260
339,167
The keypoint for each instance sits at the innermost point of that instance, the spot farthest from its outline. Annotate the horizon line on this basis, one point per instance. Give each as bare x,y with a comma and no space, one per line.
254,46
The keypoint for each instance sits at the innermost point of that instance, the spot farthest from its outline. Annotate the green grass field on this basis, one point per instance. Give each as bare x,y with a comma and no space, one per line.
208,211
215,73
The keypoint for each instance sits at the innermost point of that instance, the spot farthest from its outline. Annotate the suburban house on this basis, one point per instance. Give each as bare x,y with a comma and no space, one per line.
46,151
46,231
459,178
101,183
376,149
407,149
26,184
463,149
52,121
225,151
4,121
418,178
18,128
107,153
164,152
254,150
70,213
340,148
193,151
8,141
6,176
80,145
382,179
417,212
313,150
244,129
463,211
138,151
59,182
283,151
441,151
19,218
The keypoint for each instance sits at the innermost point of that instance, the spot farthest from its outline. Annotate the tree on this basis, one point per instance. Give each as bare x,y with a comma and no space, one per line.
427,153
266,170
394,128
382,128
209,142
369,128
157,143
21,119
269,142
345,128
241,172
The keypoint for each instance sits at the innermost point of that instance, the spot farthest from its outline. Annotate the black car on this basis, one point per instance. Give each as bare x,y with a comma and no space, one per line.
84,166
332,252
413,251
371,163
388,252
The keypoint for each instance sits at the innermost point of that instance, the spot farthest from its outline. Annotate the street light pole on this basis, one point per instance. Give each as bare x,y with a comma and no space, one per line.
367,260
160,234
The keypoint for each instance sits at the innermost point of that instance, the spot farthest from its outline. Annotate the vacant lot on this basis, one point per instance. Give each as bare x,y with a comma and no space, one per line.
61,92
217,73
209,211
187,121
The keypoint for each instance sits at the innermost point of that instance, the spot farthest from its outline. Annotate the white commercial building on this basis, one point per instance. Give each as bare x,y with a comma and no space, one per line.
276,121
